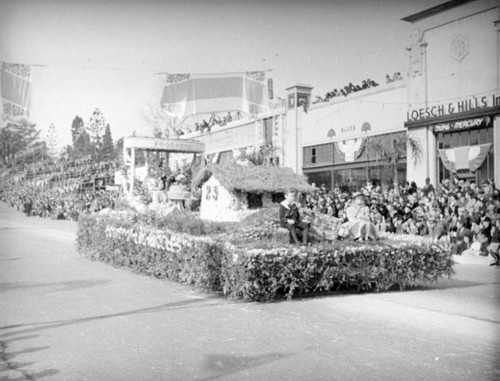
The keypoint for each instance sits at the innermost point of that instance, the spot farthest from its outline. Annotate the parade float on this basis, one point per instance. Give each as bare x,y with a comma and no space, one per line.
234,244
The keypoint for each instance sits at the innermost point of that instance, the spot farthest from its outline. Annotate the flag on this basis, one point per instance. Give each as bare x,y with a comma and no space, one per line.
185,94
15,92
467,157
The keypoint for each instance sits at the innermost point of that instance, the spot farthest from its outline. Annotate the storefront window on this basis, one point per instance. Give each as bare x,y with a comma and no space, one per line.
354,179
352,174
473,138
463,138
467,138
318,155
319,178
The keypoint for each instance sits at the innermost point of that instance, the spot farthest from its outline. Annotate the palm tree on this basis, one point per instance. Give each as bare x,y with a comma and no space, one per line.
392,148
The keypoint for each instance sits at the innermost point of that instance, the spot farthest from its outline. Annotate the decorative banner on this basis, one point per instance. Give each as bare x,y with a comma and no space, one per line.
160,144
15,91
351,149
464,158
185,95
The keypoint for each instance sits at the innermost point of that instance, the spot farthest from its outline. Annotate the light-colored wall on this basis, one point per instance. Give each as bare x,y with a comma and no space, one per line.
450,75
214,208
228,206
383,107
458,55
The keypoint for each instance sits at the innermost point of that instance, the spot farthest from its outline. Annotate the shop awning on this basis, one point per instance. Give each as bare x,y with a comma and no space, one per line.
464,158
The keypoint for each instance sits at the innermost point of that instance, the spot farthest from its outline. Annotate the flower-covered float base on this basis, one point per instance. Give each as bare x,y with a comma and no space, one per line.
263,274
242,261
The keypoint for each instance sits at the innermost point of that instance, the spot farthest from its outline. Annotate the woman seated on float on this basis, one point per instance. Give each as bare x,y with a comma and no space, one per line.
358,225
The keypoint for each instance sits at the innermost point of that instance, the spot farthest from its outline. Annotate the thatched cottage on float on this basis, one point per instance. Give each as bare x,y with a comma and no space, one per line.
229,190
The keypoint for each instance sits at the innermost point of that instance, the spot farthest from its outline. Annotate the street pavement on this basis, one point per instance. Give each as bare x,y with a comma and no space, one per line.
64,317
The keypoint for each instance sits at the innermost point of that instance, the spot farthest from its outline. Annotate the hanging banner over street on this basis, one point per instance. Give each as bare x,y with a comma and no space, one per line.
15,91
185,94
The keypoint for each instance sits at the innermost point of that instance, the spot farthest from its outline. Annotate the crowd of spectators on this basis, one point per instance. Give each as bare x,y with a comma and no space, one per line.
458,213
350,88
57,202
84,169
59,190
205,126
346,90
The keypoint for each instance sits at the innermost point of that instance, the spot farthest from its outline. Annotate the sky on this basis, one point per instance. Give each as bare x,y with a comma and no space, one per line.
104,54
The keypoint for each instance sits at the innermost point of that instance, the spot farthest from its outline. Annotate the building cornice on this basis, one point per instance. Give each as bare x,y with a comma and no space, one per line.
435,10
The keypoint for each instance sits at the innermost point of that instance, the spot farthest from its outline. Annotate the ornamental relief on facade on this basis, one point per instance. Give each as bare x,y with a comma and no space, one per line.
459,47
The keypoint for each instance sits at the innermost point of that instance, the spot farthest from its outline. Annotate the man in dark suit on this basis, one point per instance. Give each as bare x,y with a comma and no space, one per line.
290,219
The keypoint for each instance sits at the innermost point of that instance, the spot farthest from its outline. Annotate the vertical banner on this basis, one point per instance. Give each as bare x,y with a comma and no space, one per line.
270,89
189,94
15,92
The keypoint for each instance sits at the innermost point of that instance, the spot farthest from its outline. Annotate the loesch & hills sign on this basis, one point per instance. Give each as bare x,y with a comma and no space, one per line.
453,108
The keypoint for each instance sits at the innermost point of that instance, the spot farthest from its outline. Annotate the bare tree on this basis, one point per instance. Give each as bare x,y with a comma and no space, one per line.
161,123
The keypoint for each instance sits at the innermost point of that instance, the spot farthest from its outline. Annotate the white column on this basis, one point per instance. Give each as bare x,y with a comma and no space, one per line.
496,150
432,156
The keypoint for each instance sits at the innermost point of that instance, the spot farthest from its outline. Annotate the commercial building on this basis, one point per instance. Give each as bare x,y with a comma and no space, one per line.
454,90
326,140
